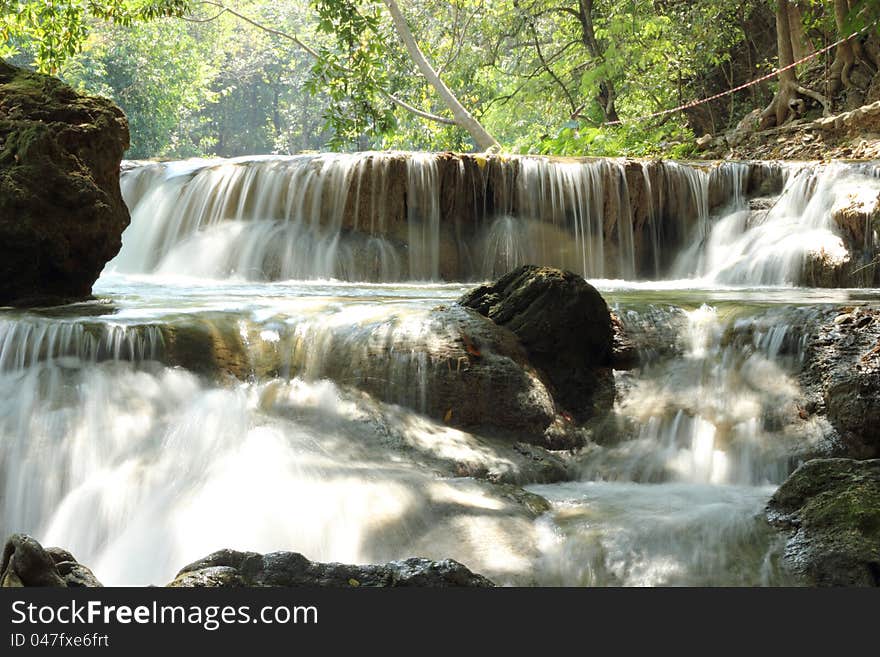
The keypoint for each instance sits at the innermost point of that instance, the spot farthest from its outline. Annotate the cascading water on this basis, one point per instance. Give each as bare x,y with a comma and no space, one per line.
388,217
772,245
124,438
704,439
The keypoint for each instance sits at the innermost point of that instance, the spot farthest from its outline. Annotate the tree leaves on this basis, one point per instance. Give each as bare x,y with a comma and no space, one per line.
58,28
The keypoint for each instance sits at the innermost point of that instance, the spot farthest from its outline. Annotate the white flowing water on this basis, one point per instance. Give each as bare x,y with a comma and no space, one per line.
339,216
139,466
771,246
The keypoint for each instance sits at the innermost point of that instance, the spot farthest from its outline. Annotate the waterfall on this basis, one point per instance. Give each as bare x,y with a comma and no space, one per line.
27,342
651,222
423,217
264,366
704,438
773,243
138,467
388,217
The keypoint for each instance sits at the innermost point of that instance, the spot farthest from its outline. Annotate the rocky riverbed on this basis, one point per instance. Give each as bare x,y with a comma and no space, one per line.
555,330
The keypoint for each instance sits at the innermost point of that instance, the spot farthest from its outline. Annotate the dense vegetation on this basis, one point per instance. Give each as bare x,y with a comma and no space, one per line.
228,77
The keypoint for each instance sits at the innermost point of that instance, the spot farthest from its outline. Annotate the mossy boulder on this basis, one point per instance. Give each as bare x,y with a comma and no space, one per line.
831,507
61,209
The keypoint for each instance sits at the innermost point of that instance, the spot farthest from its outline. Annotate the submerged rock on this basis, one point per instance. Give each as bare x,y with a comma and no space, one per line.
61,209
565,327
832,509
27,563
234,569
449,363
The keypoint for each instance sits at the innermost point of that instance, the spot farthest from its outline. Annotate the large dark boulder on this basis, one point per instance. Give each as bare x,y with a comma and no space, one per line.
565,327
27,563
61,209
232,568
831,507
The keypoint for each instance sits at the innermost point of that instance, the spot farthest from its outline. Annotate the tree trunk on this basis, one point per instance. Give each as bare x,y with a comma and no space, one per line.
784,103
844,57
463,118
779,109
847,56
607,94
801,45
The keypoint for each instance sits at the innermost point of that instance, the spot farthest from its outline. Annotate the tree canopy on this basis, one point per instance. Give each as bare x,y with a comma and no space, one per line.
565,77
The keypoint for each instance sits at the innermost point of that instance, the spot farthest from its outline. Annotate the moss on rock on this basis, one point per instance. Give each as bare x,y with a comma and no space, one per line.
832,509
61,209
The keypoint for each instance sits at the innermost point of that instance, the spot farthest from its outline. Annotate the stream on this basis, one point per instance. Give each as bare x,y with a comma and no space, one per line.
138,466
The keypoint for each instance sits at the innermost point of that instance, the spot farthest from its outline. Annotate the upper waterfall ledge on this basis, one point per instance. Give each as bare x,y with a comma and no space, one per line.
444,216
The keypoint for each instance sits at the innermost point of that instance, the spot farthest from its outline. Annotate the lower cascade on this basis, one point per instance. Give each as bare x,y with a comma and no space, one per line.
277,360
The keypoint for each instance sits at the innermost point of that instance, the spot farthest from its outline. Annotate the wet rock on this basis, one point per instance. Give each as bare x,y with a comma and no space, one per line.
841,377
27,563
625,351
209,346
449,363
857,217
831,507
61,209
565,327
72,572
291,569
538,465
497,461
655,333
824,269
761,205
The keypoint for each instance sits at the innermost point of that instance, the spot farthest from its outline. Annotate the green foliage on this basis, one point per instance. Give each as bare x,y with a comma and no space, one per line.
56,29
862,14
160,88
669,139
529,70
352,71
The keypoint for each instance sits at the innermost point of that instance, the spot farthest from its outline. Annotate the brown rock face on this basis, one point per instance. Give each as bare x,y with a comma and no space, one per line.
565,327
61,210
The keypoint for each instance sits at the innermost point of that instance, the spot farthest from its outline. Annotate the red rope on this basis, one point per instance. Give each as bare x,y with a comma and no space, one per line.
772,74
